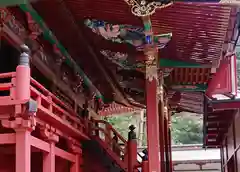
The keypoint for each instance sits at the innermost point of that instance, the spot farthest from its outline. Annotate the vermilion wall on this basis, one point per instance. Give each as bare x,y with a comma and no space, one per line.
230,151
7,163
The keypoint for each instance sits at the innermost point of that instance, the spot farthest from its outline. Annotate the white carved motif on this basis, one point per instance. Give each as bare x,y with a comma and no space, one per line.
151,72
230,2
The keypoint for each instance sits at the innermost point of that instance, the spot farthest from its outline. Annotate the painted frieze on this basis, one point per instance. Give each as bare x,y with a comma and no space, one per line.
122,60
125,62
9,20
120,33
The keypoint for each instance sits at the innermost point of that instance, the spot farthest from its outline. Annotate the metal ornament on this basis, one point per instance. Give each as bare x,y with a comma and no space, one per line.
144,8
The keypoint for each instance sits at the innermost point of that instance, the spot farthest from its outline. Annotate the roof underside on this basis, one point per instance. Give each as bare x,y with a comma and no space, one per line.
199,33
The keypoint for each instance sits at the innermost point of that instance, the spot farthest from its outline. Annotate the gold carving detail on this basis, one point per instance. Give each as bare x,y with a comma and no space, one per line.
151,72
143,8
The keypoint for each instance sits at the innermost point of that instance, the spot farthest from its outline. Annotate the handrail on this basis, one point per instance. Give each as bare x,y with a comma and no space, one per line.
105,133
113,130
45,99
7,75
54,98
107,130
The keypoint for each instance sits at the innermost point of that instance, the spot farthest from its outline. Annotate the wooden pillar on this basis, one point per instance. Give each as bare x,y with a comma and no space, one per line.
152,120
23,150
145,166
166,146
49,158
75,148
161,131
132,154
75,167
23,129
170,141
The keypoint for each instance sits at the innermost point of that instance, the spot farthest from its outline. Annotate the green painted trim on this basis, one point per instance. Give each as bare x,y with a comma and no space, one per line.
177,63
187,87
48,35
7,3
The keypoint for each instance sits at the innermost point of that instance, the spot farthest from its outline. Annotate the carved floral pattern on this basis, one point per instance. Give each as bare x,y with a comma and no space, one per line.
8,19
122,60
151,72
78,85
144,8
126,34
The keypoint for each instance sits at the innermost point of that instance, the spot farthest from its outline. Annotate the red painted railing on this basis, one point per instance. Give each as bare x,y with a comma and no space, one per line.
47,101
49,104
104,133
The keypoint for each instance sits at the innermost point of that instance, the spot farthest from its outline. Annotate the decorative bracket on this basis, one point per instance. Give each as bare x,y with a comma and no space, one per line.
151,72
143,8
20,123
74,146
49,133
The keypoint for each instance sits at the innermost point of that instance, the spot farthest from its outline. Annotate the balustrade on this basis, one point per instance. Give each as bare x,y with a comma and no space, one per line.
118,147
46,101
105,133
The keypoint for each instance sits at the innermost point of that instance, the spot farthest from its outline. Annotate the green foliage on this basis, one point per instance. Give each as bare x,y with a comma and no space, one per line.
186,130
120,123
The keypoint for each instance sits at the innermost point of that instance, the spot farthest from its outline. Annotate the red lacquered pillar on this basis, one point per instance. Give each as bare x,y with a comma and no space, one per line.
170,141
49,159
152,118
145,166
76,149
132,154
23,75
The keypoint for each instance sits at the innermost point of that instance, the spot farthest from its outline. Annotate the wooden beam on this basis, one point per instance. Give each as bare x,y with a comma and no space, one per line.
99,64
226,105
46,71
40,144
7,138
8,3
28,8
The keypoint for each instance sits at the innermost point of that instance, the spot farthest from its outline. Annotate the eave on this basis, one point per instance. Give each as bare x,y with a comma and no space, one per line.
53,40
225,104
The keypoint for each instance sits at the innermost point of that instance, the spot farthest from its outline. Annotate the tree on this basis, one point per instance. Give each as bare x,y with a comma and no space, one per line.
186,130
120,123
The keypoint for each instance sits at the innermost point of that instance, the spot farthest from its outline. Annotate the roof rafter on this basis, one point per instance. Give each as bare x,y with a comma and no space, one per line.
101,67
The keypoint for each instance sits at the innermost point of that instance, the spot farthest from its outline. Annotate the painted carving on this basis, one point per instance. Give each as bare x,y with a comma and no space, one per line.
59,58
151,72
144,8
126,34
167,71
65,77
42,55
78,85
33,27
9,20
122,60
